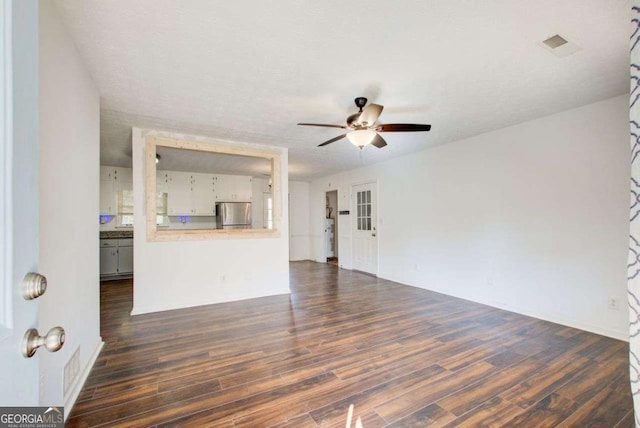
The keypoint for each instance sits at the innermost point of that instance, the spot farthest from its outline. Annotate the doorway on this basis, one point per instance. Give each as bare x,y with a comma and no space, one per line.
365,240
331,227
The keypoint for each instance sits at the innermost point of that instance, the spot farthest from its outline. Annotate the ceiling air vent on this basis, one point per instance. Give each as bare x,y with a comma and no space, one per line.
555,41
559,46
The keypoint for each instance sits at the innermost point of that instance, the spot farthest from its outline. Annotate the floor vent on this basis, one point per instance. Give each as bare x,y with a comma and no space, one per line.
71,372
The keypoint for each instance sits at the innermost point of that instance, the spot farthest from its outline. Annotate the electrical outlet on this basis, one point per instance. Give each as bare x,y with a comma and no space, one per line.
614,304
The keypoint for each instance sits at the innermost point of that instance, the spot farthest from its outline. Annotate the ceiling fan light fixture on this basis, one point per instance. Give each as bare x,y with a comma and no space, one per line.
361,137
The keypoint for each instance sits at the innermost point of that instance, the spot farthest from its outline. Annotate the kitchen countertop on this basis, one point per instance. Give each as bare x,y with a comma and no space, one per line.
116,234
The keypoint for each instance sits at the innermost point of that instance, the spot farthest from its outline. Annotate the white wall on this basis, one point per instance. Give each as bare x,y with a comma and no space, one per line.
299,236
171,275
532,218
259,186
69,183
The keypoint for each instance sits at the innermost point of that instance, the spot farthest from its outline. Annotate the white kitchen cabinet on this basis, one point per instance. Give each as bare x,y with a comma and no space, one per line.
162,181
108,172
244,189
113,180
116,257
189,193
203,194
107,197
224,190
234,188
179,193
108,257
197,193
124,174
125,256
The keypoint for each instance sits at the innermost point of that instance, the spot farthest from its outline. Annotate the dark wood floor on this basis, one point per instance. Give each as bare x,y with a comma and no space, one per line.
404,356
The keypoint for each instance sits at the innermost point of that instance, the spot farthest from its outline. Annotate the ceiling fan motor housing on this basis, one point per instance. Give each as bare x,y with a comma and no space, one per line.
360,102
352,120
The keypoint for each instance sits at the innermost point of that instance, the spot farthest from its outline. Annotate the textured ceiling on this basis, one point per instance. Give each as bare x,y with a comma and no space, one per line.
250,70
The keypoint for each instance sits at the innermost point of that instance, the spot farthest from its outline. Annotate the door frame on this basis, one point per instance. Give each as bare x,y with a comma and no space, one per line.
353,220
19,196
335,221
6,171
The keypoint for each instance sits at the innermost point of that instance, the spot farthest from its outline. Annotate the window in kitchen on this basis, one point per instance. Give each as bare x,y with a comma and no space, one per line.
125,208
268,210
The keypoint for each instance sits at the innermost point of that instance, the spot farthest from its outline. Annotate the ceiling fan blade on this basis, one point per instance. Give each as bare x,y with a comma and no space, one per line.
378,141
402,127
370,114
323,125
333,140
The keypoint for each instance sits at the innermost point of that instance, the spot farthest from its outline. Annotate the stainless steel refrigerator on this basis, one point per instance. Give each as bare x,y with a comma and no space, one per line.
233,215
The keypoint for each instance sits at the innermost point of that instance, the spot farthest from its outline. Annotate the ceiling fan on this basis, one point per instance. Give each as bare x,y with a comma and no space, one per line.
363,129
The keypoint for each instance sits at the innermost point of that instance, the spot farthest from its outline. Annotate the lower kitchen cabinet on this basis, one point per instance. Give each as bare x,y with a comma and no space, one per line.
116,257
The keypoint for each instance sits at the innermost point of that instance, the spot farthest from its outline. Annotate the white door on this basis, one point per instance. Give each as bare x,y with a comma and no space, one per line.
18,197
365,240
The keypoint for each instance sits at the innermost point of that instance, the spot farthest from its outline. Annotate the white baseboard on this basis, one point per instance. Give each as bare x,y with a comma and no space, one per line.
544,316
71,398
141,309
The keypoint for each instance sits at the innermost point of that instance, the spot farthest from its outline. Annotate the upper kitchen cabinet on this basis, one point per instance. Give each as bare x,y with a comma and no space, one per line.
203,194
189,193
112,180
196,194
179,190
234,188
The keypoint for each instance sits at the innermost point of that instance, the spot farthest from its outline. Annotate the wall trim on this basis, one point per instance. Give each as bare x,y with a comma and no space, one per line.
543,316
142,310
70,400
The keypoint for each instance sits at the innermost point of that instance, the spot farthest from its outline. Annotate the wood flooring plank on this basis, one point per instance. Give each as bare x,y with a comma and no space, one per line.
321,397
370,398
417,357
411,401
302,421
495,412
593,379
545,381
627,421
255,404
548,412
431,416
474,395
605,409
